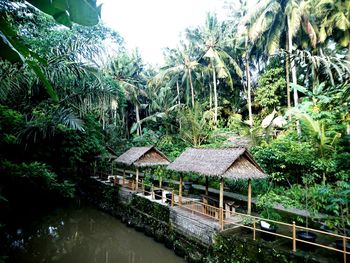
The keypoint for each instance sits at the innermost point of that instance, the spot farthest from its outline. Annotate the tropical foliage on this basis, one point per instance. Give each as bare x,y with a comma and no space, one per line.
68,100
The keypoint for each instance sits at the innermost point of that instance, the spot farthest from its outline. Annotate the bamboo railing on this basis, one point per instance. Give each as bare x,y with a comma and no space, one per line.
223,216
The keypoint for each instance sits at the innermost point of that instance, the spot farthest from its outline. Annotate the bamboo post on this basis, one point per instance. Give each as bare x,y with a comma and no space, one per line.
294,238
180,191
222,218
152,193
172,198
137,179
249,197
221,204
344,249
254,234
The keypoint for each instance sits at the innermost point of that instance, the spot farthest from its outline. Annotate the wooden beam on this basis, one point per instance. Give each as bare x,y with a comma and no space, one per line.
249,197
137,179
180,190
221,205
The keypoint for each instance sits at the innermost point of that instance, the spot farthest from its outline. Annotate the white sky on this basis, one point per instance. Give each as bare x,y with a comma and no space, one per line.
152,25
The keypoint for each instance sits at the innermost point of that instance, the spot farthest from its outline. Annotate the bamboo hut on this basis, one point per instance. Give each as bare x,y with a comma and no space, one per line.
139,157
230,163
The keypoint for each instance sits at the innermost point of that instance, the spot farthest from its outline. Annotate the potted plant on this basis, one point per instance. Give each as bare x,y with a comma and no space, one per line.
187,184
339,206
265,202
306,235
160,174
158,193
147,185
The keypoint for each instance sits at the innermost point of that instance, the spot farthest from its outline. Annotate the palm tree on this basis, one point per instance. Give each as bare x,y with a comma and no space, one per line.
275,19
127,71
180,66
213,38
334,17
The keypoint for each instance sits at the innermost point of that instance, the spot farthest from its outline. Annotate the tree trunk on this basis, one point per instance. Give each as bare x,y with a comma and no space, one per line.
349,51
215,96
249,92
178,92
210,96
139,130
191,84
294,74
287,79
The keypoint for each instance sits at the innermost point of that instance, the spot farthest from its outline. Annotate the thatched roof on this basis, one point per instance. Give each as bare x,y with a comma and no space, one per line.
234,163
143,157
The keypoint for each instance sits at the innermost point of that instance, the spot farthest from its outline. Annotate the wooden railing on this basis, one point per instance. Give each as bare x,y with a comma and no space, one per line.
201,208
287,231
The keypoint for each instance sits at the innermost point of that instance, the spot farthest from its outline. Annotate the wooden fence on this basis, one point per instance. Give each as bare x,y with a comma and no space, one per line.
223,216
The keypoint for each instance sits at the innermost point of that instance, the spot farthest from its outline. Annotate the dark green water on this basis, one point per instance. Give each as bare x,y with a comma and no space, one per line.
84,235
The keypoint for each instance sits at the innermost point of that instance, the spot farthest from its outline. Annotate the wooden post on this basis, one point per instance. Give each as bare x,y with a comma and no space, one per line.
137,179
294,238
160,182
344,249
172,198
221,204
180,191
253,228
222,218
143,187
123,177
249,197
152,193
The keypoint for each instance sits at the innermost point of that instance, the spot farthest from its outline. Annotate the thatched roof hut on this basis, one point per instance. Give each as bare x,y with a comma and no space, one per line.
232,163
142,157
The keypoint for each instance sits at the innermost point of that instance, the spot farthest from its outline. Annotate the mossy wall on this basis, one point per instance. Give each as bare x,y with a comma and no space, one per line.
154,220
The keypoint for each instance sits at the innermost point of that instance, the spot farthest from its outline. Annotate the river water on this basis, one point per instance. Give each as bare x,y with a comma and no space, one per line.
85,235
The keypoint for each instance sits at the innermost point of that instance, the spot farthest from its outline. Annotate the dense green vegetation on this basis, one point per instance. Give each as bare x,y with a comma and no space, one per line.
275,80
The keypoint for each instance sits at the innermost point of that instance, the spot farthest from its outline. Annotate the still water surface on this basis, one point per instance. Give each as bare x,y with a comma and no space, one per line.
85,235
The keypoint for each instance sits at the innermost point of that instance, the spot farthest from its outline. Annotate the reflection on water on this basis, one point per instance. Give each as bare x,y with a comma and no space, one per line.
85,235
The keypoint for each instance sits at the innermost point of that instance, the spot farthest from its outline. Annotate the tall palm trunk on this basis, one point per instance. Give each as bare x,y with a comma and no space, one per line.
247,68
191,85
294,73
210,96
287,77
137,111
178,92
215,95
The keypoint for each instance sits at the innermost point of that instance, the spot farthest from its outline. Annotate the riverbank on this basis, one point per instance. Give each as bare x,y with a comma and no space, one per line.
157,220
